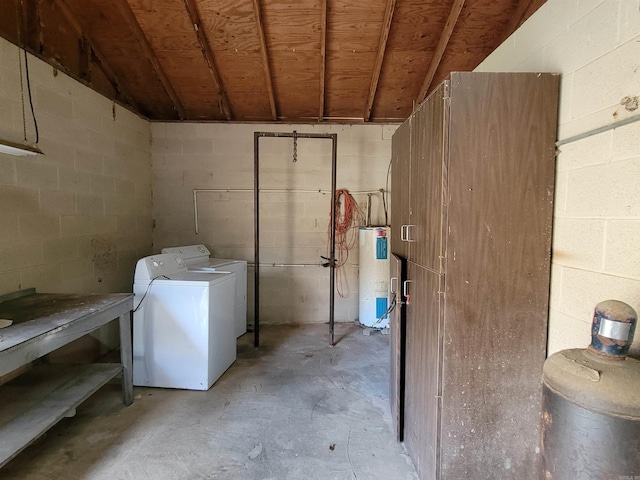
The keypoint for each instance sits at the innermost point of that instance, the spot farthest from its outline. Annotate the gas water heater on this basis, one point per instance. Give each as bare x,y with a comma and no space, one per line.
374,276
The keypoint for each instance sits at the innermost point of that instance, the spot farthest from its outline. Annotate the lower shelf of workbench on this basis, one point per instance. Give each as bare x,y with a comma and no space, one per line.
40,398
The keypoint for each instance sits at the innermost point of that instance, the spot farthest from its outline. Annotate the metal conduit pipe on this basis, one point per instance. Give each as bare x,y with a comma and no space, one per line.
263,190
286,265
598,130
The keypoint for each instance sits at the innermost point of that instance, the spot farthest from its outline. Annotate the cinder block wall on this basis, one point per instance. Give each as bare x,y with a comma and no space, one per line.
77,218
294,225
595,45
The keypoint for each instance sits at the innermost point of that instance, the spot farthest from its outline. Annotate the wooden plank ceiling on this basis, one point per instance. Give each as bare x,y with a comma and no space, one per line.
264,60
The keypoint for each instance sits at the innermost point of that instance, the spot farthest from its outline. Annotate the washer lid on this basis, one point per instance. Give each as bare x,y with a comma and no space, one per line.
194,279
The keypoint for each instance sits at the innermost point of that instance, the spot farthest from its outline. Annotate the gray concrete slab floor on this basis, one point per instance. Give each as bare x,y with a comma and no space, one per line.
293,409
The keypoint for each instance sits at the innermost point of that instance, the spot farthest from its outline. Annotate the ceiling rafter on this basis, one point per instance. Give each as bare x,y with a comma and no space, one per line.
207,53
382,46
102,62
125,10
265,59
236,61
456,8
515,20
323,56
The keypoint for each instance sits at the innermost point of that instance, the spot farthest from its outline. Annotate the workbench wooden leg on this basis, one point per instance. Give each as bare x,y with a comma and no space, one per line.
126,355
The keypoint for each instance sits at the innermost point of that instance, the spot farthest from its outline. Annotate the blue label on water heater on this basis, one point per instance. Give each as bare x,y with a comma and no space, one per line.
381,306
381,248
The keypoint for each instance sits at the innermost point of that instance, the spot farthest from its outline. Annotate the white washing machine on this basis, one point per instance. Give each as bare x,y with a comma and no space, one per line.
183,324
197,259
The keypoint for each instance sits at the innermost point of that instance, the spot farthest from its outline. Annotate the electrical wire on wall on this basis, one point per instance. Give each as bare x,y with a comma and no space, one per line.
22,43
349,216
385,198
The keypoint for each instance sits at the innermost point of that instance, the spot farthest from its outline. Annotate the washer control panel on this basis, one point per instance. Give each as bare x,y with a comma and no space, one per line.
191,254
157,265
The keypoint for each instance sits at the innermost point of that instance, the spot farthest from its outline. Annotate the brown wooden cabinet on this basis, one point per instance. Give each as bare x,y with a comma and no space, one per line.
400,156
472,201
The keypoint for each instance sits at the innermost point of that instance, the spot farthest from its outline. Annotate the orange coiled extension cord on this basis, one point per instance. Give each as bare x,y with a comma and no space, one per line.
349,217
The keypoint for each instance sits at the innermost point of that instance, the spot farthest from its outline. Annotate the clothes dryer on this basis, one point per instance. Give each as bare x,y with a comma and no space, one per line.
197,258
183,324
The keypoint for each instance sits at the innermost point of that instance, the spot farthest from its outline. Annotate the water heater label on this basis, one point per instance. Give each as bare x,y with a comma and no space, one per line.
381,248
381,306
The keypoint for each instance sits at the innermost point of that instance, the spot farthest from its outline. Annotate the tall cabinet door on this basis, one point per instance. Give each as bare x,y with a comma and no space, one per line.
400,174
398,336
423,366
429,142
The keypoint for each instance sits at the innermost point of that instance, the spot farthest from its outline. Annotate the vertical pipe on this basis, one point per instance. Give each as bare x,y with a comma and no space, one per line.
332,255
195,210
256,241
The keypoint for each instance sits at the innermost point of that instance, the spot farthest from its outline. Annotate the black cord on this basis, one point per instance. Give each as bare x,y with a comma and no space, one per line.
384,195
147,291
33,113
392,307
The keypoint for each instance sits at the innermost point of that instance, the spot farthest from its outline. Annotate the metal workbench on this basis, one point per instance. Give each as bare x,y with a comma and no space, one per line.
36,400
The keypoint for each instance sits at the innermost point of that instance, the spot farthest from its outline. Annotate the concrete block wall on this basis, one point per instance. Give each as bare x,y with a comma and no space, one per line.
77,218
293,224
595,45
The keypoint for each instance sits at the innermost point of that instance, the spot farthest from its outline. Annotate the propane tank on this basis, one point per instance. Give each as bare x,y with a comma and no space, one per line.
591,403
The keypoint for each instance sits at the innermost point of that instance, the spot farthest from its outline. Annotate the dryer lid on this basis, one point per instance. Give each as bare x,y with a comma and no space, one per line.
192,254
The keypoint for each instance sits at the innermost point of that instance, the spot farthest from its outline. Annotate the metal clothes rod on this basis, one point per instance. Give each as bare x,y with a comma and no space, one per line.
263,190
286,265
256,198
283,190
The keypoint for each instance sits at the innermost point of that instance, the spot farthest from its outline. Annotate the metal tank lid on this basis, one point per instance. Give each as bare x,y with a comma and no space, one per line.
592,381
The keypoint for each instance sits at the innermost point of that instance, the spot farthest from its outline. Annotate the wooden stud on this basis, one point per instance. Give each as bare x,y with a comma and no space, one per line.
515,20
102,63
382,46
32,33
323,55
442,45
131,20
265,59
84,64
207,53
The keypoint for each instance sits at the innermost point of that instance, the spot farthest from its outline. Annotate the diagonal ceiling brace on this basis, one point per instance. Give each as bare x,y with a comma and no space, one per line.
128,15
382,46
102,63
265,59
442,45
323,56
207,53
515,20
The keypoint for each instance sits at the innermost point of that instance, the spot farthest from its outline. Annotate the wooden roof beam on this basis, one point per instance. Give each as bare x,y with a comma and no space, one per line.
102,62
207,53
131,20
323,56
515,20
265,59
442,45
382,46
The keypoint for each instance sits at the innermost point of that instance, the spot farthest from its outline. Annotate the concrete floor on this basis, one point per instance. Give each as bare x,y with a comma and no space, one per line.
293,409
